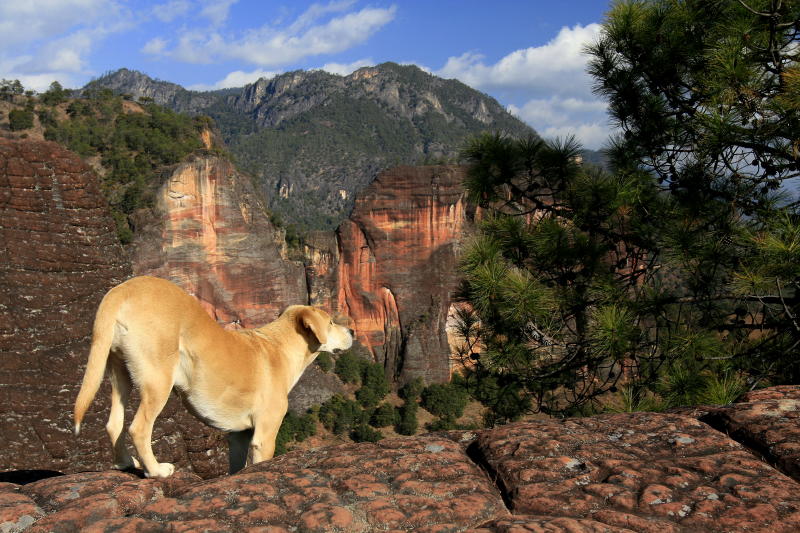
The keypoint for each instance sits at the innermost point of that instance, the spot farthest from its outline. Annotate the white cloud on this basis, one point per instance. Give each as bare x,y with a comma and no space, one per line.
26,21
237,78
549,81
559,64
593,135
171,10
344,69
216,11
267,46
560,117
154,46
46,40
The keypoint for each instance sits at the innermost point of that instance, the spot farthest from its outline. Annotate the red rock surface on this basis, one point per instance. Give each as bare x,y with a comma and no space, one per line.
615,473
59,253
643,471
397,265
210,234
768,421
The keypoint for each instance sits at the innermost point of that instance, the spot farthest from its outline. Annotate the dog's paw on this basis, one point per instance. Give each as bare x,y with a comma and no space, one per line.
163,470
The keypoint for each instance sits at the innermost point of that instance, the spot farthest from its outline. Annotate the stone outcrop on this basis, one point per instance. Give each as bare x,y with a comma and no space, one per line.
59,253
637,472
210,234
396,263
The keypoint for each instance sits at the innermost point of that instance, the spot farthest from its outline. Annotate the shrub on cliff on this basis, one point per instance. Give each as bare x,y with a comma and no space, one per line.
341,415
20,119
349,367
407,423
294,428
445,400
374,386
412,389
384,415
364,433
324,361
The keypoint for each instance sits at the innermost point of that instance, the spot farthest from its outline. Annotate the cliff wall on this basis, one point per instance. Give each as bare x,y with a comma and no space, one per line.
397,267
210,233
59,254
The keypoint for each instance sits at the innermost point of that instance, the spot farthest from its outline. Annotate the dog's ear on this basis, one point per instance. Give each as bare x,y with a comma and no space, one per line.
314,321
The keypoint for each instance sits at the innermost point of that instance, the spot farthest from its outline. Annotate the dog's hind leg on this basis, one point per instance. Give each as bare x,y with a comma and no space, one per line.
120,391
154,393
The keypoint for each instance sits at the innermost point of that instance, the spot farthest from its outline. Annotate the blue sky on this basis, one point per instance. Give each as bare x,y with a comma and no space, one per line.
525,53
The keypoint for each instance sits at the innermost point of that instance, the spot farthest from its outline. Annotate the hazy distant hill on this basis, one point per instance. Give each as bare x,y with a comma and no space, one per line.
313,139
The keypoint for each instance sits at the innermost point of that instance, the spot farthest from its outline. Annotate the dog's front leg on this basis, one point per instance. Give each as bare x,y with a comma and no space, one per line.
265,431
238,446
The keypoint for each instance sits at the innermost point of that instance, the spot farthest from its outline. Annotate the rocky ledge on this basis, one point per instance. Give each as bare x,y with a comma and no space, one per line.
612,473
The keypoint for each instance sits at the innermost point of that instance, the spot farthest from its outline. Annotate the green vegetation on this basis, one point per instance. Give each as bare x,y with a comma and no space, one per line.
445,400
325,361
294,428
384,415
20,119
134,147
9,88
406,420
350,367
672,279
55,95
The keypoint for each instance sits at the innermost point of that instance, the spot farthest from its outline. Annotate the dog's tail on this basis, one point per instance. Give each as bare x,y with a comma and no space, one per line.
102,337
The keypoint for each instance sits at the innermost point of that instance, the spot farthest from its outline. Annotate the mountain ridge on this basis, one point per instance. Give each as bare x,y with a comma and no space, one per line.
313,139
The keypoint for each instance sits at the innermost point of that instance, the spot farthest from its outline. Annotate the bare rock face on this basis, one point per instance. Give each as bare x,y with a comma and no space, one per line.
397,264
639,472
210,234
767,421
59,254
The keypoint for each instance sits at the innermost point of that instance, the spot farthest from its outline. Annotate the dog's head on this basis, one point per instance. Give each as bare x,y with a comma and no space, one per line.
321,327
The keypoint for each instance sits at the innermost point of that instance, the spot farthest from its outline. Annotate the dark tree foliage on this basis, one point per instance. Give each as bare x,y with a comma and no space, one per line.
444,400
384,415
324,361
341,416
55,95
673,278
407,417
294,428
20,119
350,367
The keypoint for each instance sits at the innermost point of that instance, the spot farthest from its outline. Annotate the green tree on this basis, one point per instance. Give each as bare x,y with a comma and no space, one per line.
707,94
444,400
54,95
324,361
383,416
660,271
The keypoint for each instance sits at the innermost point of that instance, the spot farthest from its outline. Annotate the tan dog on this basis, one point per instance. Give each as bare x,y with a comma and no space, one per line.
150,333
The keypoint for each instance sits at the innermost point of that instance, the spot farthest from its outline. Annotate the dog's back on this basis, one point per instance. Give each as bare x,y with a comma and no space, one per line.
143,310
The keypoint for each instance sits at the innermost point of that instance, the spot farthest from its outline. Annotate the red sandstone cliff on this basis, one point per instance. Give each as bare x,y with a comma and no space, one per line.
393,270
210,234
